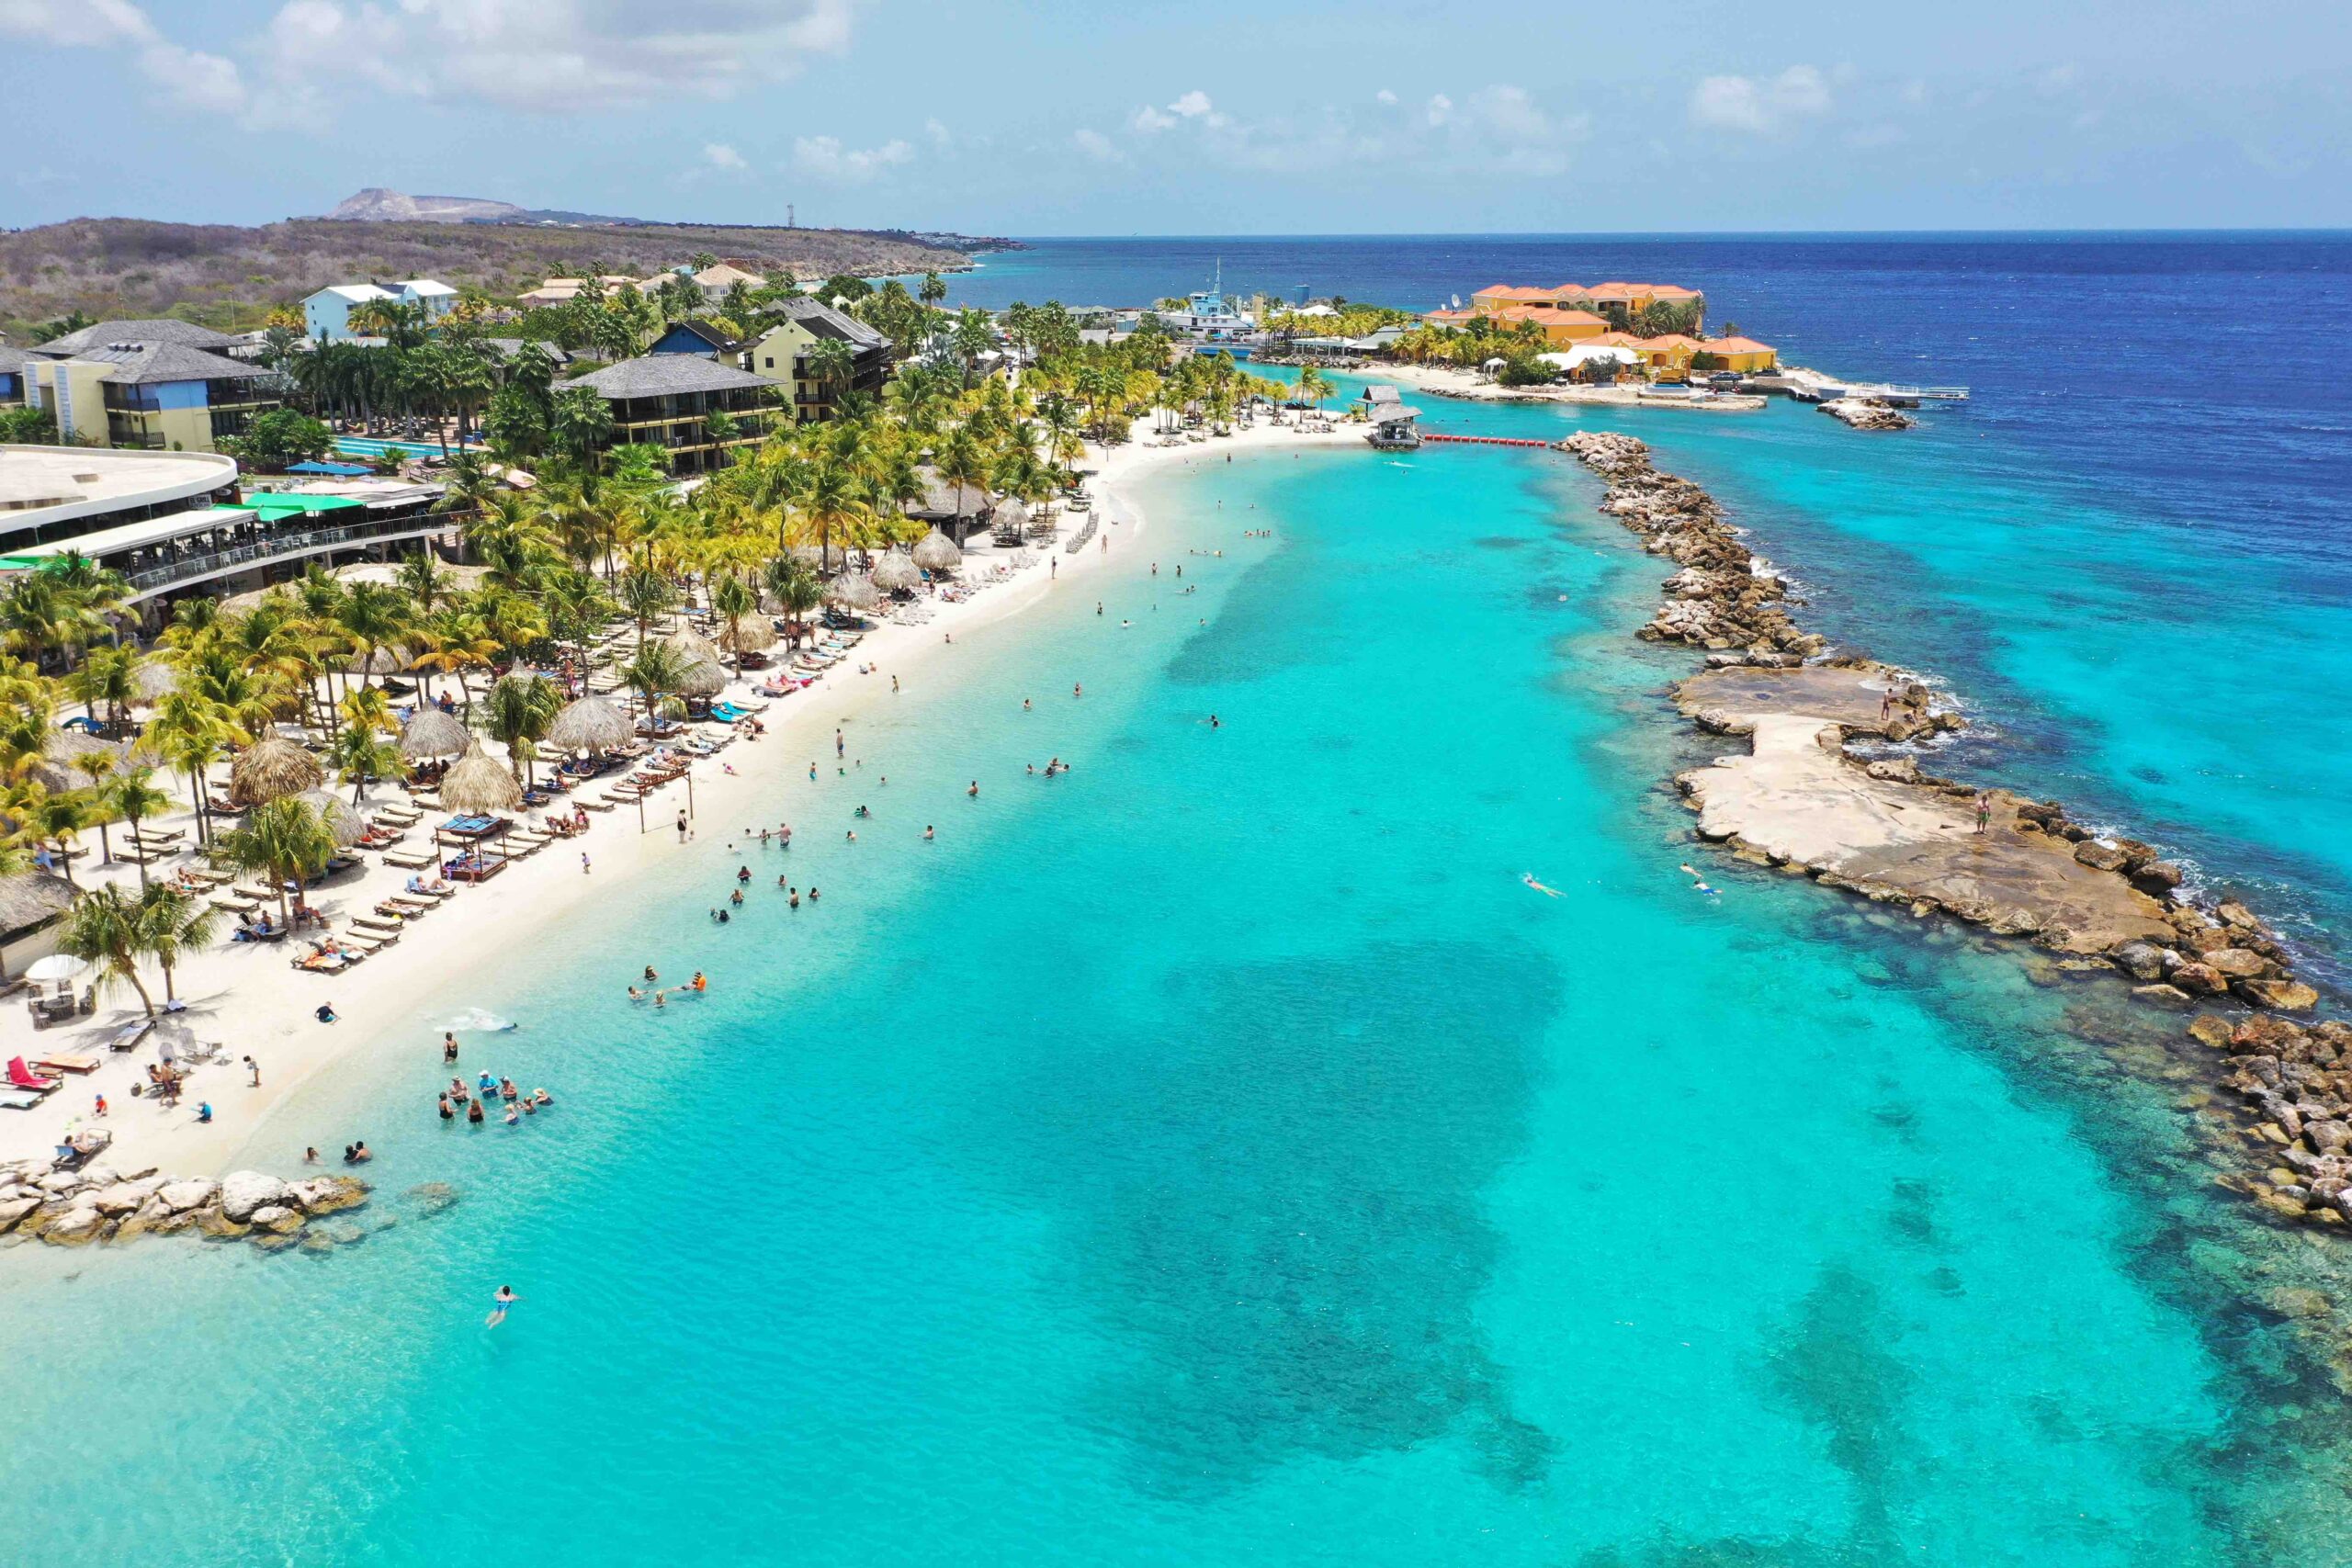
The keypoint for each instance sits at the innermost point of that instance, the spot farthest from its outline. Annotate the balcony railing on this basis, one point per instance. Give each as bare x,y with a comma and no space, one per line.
148,579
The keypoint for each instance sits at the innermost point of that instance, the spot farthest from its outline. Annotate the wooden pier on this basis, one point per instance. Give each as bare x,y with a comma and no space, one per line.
1432,439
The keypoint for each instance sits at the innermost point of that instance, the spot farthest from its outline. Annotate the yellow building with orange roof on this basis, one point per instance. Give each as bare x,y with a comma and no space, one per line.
1740,354
1561,327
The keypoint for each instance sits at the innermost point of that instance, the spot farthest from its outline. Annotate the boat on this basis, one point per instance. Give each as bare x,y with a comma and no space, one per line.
1209,319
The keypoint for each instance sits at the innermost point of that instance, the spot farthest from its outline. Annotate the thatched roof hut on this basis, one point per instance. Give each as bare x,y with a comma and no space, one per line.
702,678
270,768
478,782
691,647
856,591
895,572
936,552
433,733
31,898
382,659
591,724
1010,518
749,635
155,679
341,820
58,749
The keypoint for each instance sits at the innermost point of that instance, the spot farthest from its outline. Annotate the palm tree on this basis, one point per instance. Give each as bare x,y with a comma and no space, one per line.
363,749
795,588
373,615
830,507
658,668
57,820
583,420
962,461
188,732
131,797
645,596
832,363
421,577
518,711
283,840
117,932
454,640
732,598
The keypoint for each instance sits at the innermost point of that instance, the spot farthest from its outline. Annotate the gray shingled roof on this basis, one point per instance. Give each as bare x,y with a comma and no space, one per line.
169,362
825,322
509,346
12,358
660,375
186,334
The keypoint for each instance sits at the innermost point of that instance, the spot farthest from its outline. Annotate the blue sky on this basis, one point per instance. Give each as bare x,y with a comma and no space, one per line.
1058,117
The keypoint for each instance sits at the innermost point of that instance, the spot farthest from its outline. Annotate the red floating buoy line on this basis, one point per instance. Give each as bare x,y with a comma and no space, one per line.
1486,440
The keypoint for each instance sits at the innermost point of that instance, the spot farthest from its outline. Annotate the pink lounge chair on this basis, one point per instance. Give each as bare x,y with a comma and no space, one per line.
23,1077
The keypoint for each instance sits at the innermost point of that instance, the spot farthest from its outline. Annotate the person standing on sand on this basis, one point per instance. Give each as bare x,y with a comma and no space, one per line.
253,1069
1984,810
681,826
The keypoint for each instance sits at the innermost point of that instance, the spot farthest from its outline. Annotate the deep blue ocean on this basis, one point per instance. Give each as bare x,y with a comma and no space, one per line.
1218,1156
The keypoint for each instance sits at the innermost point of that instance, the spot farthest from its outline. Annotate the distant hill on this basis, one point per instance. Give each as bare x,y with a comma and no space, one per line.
228,277
377,205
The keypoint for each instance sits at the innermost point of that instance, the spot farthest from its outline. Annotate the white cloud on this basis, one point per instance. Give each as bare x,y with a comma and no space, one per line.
1385,98
1191,106
719,155
188,77
940,136
824,158
1760,105
557,56
1148,120
1440,109
2056,80
1097,146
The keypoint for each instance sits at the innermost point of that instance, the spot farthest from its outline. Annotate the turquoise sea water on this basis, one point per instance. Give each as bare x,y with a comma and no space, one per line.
1217,1154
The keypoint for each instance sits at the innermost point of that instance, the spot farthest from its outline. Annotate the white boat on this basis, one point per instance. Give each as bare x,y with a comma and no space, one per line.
1209,317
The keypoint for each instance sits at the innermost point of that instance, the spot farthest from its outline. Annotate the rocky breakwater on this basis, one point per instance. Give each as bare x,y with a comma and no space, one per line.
76,1207
1867,413
1805,800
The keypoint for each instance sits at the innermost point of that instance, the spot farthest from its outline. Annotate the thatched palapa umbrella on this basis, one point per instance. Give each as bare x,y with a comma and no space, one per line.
702,678
855,591
155,679
691,647
58,749
895,572
478,784
749,635
340,819
29,898
270,768
380,660
590,724
936,552
433,733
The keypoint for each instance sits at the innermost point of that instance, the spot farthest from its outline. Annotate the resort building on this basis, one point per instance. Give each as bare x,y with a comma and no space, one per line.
1617,301
715,281
174,524
11,376
1560,327
667,401
781,354
1741,353
700,337
163,385
326,314
564,290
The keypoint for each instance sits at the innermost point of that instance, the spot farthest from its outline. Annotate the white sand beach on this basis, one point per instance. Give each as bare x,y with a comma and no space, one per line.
248,999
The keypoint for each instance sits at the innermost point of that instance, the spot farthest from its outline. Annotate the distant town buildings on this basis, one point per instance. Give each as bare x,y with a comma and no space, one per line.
326,315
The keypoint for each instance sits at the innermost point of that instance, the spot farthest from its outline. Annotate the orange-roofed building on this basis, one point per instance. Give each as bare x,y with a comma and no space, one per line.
1741,353
1561,327
1499,297
1450,318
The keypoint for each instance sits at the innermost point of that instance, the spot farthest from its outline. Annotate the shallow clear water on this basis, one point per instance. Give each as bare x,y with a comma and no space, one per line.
1214,1153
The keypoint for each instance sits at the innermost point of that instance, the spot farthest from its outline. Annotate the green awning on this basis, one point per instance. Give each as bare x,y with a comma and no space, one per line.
272,505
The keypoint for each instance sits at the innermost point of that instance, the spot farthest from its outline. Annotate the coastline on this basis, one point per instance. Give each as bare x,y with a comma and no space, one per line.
1444,381
462,948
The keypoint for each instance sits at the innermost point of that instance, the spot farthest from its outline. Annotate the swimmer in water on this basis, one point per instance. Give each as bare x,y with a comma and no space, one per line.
1698,883
1529,878
504,1298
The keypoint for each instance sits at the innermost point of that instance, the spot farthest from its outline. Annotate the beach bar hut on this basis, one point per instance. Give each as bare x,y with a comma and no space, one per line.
935,552
590,724
896,572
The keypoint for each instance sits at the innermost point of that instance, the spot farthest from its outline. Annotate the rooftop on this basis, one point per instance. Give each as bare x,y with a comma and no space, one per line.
825,322
662,375
137,363
37,482
185,334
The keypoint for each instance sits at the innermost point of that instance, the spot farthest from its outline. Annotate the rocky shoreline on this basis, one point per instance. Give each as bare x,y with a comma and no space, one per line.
1867,413
1807,801
68,1207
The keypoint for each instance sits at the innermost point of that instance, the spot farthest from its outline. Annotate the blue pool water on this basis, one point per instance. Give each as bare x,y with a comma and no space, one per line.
1217,1154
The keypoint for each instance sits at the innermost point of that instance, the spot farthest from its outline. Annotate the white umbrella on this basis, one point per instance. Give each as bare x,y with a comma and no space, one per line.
56,967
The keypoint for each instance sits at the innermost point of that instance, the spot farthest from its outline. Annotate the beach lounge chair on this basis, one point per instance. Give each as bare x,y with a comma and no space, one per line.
377,926
358,944
128,1037
21,1099
65,1062
24,1078
408,860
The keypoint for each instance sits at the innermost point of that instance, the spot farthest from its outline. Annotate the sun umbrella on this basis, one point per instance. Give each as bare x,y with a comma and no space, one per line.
56,967
591,724
855,591
936,552
380,660
433,733
702,678
749,635
340,819
691,647
895,572
155,679
270,768
477,782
